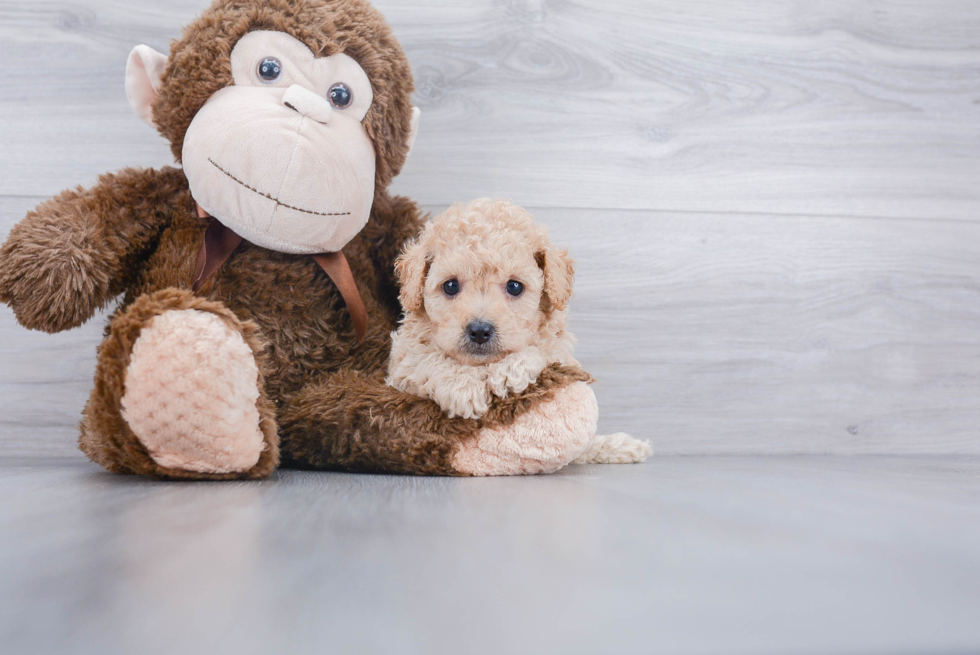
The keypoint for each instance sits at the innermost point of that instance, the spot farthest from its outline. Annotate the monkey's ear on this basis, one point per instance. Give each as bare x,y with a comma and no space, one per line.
411,267
416,113
144,74
559,273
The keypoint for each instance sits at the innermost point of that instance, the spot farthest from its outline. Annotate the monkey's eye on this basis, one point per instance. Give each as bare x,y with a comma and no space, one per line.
340,95
269,70
515,288
450,287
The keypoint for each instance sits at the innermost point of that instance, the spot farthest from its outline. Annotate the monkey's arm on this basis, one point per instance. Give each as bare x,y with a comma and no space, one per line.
352,421
72,254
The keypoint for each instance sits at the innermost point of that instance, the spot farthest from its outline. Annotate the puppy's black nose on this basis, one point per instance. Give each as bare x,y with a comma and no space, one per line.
480,331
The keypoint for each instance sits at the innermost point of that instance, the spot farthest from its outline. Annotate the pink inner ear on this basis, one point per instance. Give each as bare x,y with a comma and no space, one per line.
414,129
144,74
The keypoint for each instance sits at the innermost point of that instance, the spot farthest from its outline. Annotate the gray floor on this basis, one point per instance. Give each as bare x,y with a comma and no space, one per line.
779,554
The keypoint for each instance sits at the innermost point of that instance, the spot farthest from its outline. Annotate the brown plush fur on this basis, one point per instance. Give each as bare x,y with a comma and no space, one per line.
77,251
137,233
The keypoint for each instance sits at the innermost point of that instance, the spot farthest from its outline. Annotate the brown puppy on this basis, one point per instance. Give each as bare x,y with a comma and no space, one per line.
485,294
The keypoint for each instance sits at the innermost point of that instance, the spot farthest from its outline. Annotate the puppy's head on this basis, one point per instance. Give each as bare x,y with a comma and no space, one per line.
485,278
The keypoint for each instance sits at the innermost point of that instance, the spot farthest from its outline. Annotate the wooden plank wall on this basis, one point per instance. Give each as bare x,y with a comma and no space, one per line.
774,204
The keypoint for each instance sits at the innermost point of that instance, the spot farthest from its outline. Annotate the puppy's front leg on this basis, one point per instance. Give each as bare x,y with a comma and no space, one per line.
461,391
515,372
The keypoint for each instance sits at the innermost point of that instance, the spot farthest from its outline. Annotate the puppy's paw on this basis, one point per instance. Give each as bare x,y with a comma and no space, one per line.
463,394
618,448
515,372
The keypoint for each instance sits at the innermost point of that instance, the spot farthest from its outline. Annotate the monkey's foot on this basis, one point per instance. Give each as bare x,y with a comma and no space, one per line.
539,441
191,390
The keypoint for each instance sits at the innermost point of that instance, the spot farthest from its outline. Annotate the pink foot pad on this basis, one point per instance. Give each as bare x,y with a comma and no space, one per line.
190,394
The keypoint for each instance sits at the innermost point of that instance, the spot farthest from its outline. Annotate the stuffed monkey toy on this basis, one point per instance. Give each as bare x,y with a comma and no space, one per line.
257,281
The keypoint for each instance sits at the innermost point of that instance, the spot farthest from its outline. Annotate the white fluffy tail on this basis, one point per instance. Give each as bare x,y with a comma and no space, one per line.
618,448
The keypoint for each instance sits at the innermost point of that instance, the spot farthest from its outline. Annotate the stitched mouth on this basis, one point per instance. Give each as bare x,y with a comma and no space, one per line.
276,200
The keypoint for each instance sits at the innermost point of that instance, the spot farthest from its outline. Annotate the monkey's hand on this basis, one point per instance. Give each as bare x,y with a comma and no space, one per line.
48,274
543,439
77,251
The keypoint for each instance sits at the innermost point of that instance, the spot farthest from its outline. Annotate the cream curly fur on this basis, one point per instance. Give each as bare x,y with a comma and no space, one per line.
482,246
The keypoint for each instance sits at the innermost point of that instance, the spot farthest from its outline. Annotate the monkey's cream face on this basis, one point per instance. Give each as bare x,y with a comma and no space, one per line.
483,306
281,156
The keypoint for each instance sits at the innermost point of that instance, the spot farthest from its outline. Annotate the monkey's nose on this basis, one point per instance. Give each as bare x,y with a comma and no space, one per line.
309,104
480,331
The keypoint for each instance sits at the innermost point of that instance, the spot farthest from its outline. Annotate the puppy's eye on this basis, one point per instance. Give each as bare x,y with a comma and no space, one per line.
515,288
269,70
450,287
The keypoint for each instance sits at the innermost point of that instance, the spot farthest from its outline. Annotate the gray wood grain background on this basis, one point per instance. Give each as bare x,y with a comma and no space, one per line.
774,204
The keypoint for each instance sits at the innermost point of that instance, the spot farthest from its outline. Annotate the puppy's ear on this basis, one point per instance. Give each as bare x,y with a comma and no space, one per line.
559,272
411,268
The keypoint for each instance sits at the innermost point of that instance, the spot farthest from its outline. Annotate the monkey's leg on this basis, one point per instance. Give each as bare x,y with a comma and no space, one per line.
179,393
353,421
